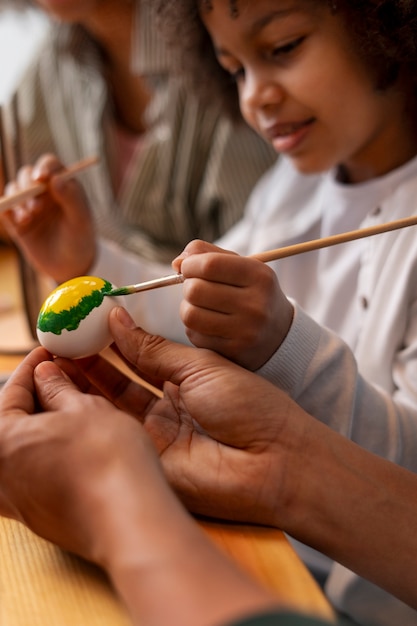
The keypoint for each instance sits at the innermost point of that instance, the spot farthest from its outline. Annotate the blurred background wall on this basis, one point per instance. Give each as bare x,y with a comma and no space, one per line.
20,34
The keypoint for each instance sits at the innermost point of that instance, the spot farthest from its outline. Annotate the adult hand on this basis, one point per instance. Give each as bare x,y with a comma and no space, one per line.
235,446
55,229
222,432
87,477
60,468
232,304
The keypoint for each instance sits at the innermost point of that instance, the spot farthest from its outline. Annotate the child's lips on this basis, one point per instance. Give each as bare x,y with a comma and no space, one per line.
285,136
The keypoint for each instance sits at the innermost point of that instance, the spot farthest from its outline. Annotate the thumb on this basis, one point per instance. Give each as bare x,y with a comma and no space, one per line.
156,357
221,396
54,389
18,395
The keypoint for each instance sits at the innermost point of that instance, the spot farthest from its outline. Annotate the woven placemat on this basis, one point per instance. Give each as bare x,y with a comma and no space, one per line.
40,585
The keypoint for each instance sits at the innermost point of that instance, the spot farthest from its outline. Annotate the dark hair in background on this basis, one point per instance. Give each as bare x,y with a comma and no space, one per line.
384,34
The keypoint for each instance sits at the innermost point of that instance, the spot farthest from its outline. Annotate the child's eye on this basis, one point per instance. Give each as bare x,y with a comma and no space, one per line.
237,74
288,48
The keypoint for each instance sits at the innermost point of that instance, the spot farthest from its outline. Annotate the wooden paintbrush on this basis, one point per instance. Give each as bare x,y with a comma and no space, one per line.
279,253
7,202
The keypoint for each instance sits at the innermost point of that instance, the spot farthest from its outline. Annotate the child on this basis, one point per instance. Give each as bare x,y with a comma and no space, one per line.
332,86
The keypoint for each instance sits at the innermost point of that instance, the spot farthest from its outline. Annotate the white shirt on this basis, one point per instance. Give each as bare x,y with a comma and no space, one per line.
365,291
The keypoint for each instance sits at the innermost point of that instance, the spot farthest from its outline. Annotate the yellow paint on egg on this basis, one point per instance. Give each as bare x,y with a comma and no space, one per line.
70,294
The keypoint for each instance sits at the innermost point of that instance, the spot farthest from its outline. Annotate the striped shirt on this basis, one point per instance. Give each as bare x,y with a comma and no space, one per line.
193,172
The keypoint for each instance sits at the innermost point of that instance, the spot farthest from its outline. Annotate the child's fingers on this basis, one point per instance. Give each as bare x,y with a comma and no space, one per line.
197,246
45,167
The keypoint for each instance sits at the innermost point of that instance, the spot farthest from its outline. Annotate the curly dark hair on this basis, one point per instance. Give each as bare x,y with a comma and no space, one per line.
384,33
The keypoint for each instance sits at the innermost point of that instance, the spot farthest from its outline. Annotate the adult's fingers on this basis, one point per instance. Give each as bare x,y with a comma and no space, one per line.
55,389
96,375
18,396
157,357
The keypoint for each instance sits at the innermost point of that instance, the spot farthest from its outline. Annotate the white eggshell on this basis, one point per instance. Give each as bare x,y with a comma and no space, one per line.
91,336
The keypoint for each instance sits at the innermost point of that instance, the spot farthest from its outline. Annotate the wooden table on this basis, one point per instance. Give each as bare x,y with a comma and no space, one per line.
41,585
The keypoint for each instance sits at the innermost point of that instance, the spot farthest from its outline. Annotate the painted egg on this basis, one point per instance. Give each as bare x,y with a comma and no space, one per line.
73,320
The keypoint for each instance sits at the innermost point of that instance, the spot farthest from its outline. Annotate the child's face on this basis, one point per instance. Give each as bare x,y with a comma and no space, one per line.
303,88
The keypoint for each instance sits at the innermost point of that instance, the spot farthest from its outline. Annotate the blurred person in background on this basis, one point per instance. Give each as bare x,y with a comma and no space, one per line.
171,169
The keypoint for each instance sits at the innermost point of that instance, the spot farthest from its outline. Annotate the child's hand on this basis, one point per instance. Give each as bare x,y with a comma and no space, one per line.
55,229
232,304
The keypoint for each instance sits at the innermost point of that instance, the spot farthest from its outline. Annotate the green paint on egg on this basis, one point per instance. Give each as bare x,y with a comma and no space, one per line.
71,302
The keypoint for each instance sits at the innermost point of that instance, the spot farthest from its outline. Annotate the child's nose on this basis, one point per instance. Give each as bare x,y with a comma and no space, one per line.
260,91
